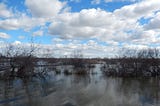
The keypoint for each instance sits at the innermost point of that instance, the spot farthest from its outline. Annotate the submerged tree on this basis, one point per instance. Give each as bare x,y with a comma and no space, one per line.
132,62
19,60
78,62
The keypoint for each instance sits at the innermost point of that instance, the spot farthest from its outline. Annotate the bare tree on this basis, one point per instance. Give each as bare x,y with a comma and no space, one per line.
78,62
20,59
132,62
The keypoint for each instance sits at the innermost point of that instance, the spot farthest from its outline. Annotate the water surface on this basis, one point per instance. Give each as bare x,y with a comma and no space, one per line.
86,90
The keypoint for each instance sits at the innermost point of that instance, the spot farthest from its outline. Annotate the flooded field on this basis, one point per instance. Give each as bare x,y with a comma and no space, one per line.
76,90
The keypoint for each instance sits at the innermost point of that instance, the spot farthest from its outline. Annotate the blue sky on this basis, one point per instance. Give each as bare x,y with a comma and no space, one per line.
99,28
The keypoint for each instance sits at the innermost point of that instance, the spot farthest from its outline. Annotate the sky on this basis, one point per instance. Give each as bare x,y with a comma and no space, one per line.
95,28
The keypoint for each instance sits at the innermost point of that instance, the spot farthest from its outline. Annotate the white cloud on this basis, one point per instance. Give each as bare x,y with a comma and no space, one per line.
9,24
23,22
113,43
90,23
21,37
95,1
4,35
87,23
154,23
40,15
77,1
4,11
91,42
145,37
138,10
57,40
107,1
135,46
38,33
44,8
122,25
89,49
17,42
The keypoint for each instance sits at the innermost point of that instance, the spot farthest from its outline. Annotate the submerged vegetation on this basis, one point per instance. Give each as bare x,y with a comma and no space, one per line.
22,62
134,63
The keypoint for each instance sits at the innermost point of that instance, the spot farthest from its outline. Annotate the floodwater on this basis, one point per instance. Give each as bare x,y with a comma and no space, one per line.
76,90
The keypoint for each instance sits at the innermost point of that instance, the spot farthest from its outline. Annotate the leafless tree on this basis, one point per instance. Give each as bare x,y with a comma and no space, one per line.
78,62
19,60
132,62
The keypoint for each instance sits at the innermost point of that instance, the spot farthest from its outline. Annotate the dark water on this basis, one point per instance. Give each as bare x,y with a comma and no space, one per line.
72,90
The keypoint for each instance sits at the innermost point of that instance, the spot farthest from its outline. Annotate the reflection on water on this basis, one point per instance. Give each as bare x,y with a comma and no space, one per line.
72,90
